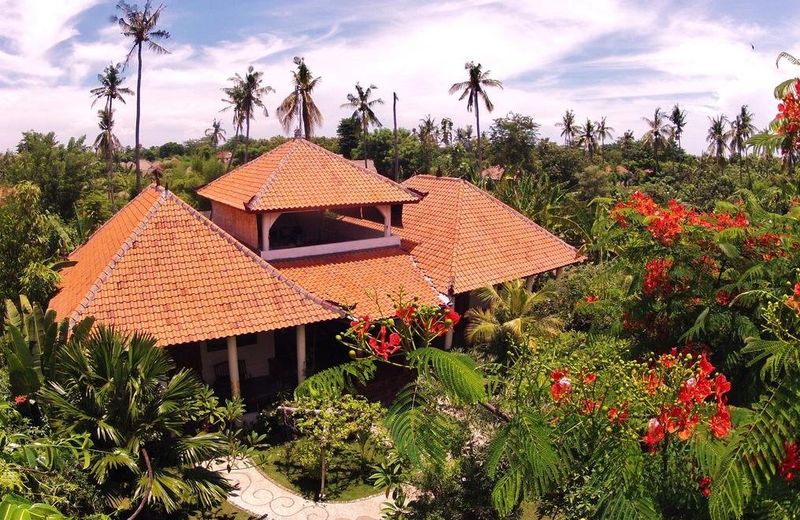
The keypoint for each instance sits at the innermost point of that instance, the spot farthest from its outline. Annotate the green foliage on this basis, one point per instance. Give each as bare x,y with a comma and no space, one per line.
14,507
511,142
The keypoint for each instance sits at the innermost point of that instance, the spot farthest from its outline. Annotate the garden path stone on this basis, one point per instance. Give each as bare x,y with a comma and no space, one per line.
260,496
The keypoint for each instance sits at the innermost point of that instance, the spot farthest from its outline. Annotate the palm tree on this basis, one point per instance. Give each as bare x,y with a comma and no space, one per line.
215,134
140,26
110,89
742,129
568,127
510,318
473,89
604,131
146,419
234,101
446,130
587,137
428,131
299,105
658,131
106,143
362,111
247,93
678,119
717,138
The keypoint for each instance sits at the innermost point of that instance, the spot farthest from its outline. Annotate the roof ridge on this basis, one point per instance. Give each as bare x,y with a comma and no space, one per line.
271,270
375,174
457,235
117,257
267,183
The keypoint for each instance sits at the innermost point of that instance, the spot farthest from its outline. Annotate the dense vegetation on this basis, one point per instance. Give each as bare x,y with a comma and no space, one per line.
660,378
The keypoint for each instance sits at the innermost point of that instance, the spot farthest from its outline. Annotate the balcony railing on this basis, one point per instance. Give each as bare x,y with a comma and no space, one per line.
327,249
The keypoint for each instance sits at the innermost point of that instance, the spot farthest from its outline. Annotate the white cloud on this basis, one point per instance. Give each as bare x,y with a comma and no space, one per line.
658,56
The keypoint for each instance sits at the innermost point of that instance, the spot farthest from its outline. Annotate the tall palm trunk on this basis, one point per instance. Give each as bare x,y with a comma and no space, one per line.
478,126
247,139
109,159
364,123
138,119
304,114
394,115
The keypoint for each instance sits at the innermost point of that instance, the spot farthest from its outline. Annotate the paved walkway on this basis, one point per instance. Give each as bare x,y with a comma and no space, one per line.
269,501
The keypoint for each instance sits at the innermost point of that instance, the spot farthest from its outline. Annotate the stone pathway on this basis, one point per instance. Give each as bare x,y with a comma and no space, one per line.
267,500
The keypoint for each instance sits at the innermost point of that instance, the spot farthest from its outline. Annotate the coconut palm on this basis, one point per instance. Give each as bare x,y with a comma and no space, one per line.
742,128
110,88
568,127
299,105
146,419
362,106
234,94
215,133
658,131
604,131
510,318
428,130
678,119
446,130
587,137
473,89
247,93
106,143
717,138
140,27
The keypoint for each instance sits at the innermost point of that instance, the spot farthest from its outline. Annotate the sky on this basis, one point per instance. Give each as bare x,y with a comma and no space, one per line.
610,58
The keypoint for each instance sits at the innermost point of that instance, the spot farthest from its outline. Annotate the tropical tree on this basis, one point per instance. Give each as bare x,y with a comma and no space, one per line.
247,94
568,127
299,105
511,316
446,130
678,119
427,130
587,137
474,89
234,100
658,131
215,133
362,104
604,131
153,425
106,143
141,27
717,138
110,89
742,129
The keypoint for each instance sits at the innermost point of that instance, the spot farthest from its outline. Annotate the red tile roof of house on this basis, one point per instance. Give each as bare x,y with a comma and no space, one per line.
369,282
160,266
302,175
464,238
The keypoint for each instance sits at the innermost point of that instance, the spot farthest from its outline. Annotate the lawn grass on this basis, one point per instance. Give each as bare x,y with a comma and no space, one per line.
347,479
226,511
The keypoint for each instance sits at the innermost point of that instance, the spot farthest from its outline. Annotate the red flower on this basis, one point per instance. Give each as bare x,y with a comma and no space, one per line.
705,485
653,382
618,416
590,298
589,378
705,365
724,298
656,276
452,316
667,361
655,434
20,400
561,387
791,461
720,423
589,406
721,386
383,349
361,325
405,313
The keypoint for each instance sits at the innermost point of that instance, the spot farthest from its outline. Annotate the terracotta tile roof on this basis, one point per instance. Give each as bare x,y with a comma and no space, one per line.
464,238
302,175
160,266
369,279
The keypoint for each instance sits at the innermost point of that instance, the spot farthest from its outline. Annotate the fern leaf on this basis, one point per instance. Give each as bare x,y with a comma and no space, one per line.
457,372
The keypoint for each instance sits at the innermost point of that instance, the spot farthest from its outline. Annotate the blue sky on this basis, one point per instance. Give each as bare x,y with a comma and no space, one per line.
598,57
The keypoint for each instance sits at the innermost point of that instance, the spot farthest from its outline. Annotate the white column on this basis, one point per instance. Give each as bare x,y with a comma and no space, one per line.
267,219
530,281
386,211
233,366
448,340
301,353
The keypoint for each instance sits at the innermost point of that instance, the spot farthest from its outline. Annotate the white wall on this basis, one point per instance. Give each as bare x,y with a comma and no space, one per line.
256,357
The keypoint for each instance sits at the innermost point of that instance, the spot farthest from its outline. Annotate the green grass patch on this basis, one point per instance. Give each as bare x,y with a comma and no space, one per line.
226,511
347,478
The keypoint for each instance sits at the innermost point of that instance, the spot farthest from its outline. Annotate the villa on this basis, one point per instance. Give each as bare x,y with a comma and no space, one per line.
298,240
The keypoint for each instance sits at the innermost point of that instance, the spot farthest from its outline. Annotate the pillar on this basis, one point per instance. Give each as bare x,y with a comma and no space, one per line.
530,281
233,366
448,339
386,211
301,353
267,219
